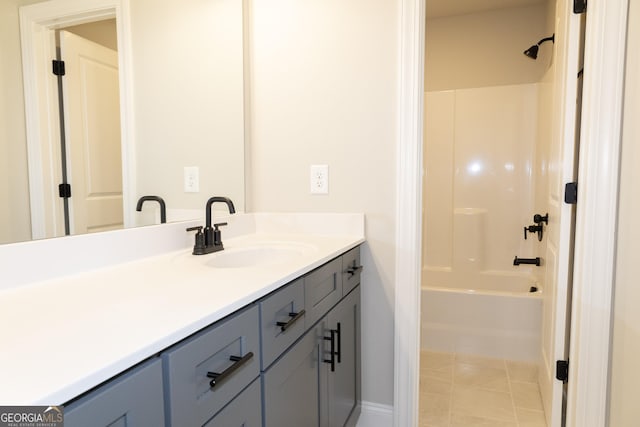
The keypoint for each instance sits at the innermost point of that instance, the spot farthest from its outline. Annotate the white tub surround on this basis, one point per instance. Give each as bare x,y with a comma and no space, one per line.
71,330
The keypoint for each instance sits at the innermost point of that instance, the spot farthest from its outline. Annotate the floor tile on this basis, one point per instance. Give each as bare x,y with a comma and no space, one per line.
526,395
434,409
433,361
435,382
473,421
470,359
522,372
488,377
530,418
482,403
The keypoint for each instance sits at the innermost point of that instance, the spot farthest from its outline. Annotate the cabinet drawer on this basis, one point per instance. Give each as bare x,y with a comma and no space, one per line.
133,399
282,320
243,411
322,290
351,269
229,348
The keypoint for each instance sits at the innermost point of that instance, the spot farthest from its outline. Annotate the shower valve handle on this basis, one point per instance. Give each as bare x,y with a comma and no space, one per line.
538,219
533,229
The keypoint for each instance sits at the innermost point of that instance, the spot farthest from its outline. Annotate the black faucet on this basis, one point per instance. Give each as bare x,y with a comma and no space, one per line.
211,240
163,207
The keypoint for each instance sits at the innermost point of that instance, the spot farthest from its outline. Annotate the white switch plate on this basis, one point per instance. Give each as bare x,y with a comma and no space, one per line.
191,179
319,179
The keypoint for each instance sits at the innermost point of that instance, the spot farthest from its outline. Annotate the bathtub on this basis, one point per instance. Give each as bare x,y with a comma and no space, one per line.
491,314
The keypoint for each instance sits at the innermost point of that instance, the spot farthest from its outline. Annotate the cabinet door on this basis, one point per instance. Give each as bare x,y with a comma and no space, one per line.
344,382
131,400
291,385
243,411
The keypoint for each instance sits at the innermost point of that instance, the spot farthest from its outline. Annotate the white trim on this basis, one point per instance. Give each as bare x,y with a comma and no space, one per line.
594,262
409,213
375,415
37,25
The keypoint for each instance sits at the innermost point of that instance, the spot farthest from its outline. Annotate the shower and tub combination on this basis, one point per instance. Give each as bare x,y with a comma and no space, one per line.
480,190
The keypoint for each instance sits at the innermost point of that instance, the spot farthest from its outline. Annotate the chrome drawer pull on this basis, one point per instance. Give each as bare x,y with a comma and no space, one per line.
217,378
294,318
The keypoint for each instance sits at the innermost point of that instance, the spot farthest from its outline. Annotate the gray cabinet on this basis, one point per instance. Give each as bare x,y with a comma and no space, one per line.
343,383
322,290
282,320
243,411
132,399
316,382
204,373
292,387
351,268
291,359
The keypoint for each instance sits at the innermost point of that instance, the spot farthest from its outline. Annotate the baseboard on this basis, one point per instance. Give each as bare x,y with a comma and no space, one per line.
375,415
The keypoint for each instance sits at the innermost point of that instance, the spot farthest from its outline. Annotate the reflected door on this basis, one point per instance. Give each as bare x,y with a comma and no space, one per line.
92,125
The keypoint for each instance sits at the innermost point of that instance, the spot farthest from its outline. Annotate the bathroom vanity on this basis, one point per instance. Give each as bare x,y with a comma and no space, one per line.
264,333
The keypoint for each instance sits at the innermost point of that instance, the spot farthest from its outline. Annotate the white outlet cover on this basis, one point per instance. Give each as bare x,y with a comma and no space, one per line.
191,179
319,179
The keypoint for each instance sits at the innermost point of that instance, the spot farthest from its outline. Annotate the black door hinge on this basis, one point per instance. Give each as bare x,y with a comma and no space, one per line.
571,193
579,6
58,67
64,190
562,370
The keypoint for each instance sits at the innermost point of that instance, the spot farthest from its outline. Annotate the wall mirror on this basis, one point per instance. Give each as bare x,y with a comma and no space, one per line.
181,99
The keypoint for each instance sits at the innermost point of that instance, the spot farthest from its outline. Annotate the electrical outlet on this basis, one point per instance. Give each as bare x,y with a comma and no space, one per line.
191,179
319,179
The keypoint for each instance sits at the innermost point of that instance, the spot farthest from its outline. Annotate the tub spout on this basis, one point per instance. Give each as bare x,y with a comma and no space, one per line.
531,261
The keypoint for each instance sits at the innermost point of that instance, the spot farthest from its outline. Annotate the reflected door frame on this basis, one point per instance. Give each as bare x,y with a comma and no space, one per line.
38,23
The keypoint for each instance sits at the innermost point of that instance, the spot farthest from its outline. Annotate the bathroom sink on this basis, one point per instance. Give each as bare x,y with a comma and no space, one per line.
259,255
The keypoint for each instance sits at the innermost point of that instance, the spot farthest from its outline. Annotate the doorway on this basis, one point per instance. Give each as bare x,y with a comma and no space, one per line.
495,301
91,160
40,22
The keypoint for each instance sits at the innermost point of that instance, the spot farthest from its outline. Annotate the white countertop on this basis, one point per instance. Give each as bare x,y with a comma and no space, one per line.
63,336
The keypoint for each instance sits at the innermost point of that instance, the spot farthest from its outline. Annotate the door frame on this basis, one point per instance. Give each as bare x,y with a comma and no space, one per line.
594,261
38,23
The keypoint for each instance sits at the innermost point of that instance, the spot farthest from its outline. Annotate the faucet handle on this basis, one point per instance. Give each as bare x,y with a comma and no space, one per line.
220,224
199,246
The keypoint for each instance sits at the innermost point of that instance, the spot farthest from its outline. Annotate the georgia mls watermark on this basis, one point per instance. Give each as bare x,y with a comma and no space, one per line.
31,416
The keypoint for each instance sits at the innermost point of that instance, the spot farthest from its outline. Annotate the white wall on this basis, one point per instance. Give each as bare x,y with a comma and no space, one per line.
625,373
101,32
485,49
188,90
324,91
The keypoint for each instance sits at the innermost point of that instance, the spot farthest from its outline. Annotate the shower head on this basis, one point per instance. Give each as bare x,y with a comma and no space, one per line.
532,52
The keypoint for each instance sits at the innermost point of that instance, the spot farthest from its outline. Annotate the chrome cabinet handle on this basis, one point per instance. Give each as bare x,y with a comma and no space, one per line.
294,318
217,378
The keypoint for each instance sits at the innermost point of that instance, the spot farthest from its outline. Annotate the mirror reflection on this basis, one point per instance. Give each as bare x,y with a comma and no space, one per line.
182,122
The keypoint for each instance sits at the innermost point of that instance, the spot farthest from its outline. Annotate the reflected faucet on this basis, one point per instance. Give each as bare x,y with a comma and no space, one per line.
163,207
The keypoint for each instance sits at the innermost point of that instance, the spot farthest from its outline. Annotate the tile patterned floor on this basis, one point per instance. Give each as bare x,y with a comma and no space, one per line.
459,390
